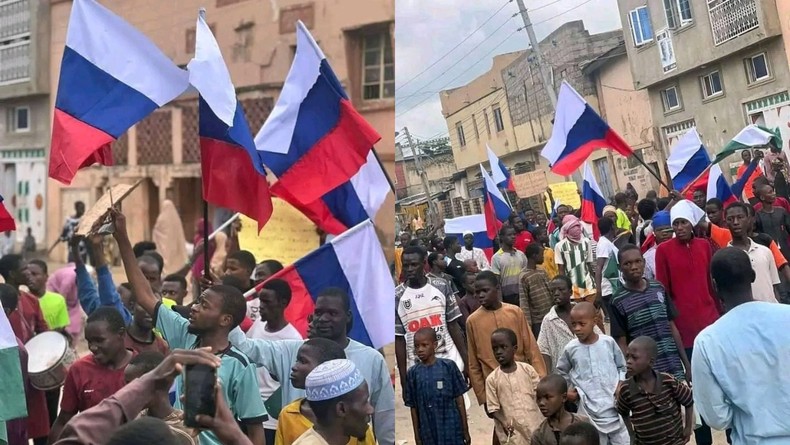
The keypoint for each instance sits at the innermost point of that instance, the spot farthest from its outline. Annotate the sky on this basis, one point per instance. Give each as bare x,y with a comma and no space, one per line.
427,31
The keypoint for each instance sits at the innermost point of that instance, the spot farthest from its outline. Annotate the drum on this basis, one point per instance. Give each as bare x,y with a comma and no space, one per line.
49,358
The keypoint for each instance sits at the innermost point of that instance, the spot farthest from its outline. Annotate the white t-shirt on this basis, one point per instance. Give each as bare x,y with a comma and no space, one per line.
266,382
433,305
606,249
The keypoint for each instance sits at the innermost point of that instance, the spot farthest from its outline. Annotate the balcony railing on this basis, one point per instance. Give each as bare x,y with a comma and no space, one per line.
732,18
14,18
15,62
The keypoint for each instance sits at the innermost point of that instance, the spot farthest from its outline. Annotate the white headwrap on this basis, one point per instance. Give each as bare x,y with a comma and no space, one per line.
687,210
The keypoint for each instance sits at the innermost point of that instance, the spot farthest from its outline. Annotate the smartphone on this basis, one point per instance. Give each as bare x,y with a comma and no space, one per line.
199,393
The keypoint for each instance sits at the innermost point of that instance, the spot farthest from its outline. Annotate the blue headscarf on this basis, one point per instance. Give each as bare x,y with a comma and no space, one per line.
661,219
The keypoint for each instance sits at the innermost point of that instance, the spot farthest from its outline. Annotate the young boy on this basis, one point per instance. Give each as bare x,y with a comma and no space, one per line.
510,392
650,401
580,433
434,391
594,365
552,393
298,417
534,295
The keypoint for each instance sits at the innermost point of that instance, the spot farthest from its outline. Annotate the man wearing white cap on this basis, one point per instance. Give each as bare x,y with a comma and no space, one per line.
470,252
338,396
682,266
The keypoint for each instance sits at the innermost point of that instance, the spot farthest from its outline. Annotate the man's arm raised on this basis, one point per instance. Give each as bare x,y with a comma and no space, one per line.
140,287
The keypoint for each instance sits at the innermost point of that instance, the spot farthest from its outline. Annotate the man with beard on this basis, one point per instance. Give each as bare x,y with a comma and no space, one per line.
215,312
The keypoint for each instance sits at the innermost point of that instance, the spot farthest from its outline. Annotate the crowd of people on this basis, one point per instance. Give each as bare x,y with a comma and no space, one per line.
273,385
580,334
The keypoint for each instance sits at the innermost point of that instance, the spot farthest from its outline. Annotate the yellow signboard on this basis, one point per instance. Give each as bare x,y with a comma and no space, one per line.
565,193
287,236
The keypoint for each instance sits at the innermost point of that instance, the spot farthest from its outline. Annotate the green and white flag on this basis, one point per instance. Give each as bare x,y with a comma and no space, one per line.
750,137
12,390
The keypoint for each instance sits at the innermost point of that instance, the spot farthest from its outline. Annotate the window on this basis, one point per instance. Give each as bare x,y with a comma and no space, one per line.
378,67
670,99
459,130
19,119
15,54
474,125
641,29
499,124
488,126
732,18
678,13
711,85
757,68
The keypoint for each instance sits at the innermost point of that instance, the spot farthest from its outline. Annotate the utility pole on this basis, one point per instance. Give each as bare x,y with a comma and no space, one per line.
533,41
433,214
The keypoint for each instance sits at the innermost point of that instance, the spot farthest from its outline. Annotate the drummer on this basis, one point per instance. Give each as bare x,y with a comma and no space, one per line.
37,416
99,375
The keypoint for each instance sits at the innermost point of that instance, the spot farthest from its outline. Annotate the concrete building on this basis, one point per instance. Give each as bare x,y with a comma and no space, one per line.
258,41
627,111
25,114
715,65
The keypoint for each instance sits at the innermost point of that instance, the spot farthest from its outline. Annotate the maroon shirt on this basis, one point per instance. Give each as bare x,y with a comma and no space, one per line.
778,202
88,383
158,345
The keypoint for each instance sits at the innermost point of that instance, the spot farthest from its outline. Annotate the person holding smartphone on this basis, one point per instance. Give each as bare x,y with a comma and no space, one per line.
215,313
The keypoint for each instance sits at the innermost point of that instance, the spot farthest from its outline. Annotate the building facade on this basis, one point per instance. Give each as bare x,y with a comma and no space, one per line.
716,65
25,114
258,41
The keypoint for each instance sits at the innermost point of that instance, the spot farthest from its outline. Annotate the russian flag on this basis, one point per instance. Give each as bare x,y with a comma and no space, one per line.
471,223
688,160
354,262
231,176
718,186
111,77
495,207
314,140
499,172
593,201
348,204
578,131
6,220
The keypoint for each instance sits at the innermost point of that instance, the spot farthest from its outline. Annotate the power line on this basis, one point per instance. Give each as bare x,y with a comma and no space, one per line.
456,46
562,13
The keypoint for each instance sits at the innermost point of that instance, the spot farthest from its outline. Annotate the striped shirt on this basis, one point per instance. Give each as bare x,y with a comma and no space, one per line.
534,295
648,313
575,257
508,265
656,415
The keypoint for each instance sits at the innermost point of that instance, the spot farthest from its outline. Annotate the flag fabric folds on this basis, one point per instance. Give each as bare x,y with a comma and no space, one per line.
688,161
751,136
740,182
348,204
12,390
231,176
471,223
111,77
499,172
718,187
6,220
355,263
593,201
495,207
578,131
314,140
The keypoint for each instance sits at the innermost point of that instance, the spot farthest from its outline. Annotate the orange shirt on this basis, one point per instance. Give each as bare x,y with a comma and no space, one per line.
747,188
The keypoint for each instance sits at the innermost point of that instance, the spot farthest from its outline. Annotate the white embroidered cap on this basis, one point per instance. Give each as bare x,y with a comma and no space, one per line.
332,379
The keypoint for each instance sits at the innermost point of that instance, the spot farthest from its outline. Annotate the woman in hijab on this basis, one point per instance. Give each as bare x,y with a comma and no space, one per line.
169,238
64,282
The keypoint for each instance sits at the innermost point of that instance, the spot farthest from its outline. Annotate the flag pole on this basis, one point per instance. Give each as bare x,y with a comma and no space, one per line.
650,170
688,186
206,259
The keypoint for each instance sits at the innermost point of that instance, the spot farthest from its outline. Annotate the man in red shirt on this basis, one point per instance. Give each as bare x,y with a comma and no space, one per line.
682,266
523,237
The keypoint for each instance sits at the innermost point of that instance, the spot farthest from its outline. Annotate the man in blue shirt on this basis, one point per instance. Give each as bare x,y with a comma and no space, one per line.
215,313
740,362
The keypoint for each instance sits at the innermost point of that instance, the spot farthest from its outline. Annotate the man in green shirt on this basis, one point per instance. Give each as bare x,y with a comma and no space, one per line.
53,305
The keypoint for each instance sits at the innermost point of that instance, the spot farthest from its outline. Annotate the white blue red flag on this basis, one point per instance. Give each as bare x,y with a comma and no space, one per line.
688,161
471,223
578,131
499,172
495,207
6,220
314,140
111,77
593,201
355,263
12,386
718,187
232,177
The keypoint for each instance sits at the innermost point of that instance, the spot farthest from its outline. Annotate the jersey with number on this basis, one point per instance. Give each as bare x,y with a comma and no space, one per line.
432,305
